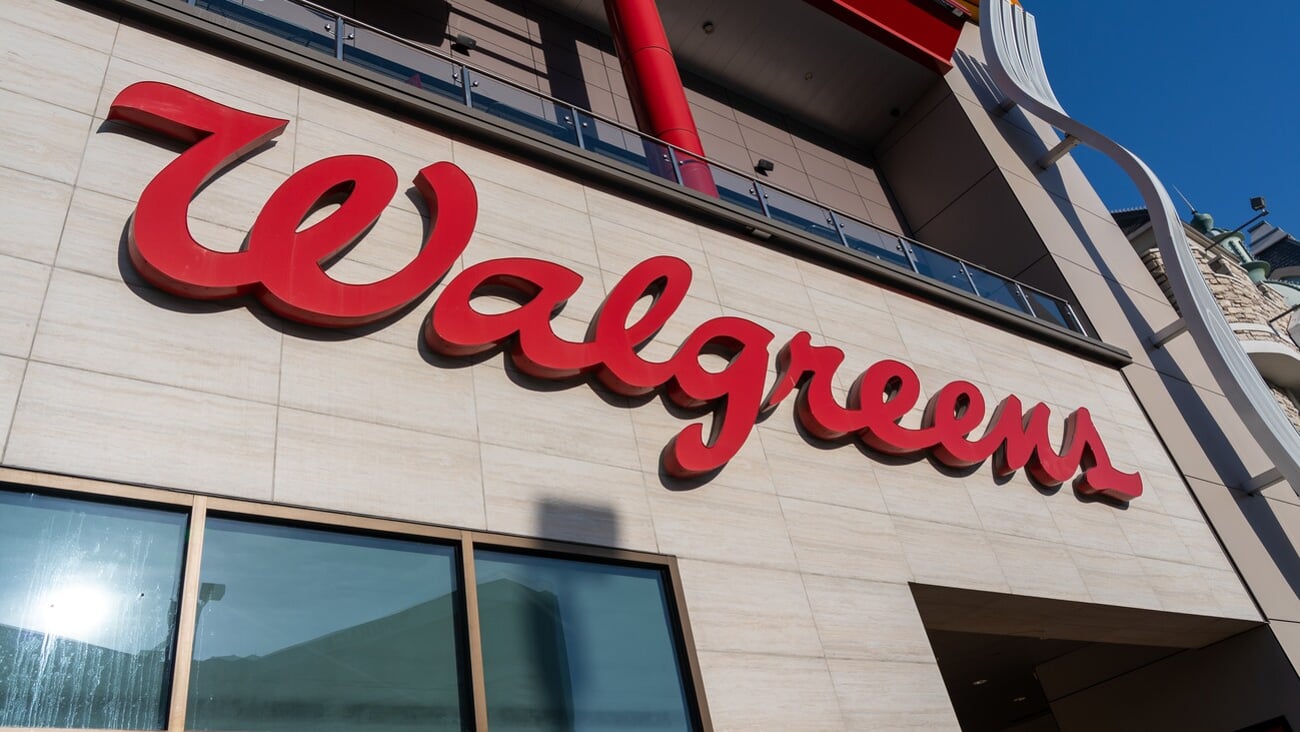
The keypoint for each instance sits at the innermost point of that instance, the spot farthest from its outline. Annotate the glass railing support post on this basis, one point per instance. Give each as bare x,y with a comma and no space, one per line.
577,127
338,37
911,256
839,228
1029,304
762,198
677,166
969,278
1074,318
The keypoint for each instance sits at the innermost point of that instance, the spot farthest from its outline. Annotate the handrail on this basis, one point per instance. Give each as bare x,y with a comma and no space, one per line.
1020,296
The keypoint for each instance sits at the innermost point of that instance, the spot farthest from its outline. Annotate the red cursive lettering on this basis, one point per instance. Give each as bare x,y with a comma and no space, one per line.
284,267
281,265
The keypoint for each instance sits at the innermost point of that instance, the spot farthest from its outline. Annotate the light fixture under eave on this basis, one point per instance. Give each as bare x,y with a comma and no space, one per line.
979,682
708,27
760,233
464,43
961,10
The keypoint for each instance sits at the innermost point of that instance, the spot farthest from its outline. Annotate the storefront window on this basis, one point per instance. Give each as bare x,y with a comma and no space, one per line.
219,614
88,605
300,629
571,645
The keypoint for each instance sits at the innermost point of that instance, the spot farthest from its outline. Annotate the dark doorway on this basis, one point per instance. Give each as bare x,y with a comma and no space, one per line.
1007,659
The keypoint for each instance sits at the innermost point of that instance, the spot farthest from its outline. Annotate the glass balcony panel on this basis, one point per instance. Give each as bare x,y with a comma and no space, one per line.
625,146
290,21
524,108
873,241
1051,309
941,267
732,187
422,70
88,598
801,214
997,288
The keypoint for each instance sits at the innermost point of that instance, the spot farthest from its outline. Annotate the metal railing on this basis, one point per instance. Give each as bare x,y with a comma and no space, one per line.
433,72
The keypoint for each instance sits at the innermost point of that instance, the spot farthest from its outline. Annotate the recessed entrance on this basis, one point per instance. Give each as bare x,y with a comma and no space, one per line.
1012,662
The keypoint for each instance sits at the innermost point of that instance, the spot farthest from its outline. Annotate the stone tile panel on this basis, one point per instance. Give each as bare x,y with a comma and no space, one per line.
565,499
22,293
42,66
889,695
40,138
91,424
750,691
867,620
782,624
408,475
34,210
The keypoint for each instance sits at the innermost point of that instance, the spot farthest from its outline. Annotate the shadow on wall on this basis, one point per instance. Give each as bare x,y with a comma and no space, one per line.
1197,415
589,523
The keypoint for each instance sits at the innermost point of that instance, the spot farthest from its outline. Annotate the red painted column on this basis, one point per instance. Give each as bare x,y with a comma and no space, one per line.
654,85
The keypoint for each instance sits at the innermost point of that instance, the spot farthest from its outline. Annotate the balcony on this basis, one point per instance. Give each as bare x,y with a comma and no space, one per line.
431,72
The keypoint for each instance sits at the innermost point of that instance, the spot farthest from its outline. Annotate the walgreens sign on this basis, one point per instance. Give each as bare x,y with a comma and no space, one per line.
283,267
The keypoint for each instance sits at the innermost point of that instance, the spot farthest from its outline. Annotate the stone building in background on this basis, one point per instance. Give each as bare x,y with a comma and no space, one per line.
1258,303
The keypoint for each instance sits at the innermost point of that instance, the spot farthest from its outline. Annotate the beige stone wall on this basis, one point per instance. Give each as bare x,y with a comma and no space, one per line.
796,558
1244,304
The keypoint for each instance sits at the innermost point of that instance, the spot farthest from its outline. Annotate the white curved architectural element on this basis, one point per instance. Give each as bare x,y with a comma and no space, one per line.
1277,363
1010,42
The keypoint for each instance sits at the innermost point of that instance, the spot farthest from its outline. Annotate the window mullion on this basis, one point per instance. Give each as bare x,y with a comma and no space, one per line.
477,684
187,617
689,657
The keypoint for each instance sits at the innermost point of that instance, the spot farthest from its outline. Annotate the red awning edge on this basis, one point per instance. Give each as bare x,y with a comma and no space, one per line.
921,30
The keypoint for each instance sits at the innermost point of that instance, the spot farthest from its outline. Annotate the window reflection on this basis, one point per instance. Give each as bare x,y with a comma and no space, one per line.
310,629
571,645
88,598
301,629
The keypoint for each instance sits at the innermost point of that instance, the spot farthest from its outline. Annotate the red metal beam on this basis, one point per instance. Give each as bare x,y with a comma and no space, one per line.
922,30
654,85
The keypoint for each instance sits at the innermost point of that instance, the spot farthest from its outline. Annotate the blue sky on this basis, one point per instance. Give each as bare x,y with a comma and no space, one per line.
1205,92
